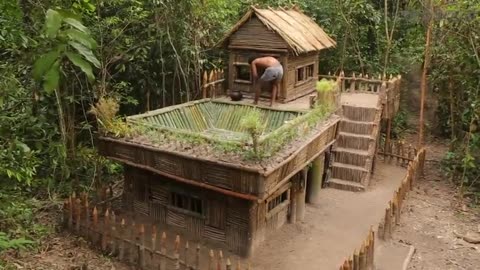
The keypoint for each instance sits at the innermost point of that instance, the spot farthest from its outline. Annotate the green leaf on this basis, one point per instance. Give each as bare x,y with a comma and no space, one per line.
86,52
77,24
81,37
52,78
82,64
53,22
43,64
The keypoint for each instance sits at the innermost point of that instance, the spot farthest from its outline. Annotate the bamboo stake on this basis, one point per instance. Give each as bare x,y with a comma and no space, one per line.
113,246
94,224
78,206
211,262
121,246
105,231
163,251
141,246
197,258
177,252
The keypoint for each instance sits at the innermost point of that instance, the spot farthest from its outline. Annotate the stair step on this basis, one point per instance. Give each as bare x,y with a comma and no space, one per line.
349,134
348,166
349,172
354,141
352,157
345,185
365,114
351,150
356,127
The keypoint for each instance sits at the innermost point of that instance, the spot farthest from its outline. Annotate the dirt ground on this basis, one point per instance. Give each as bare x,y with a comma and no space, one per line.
431,217
332,230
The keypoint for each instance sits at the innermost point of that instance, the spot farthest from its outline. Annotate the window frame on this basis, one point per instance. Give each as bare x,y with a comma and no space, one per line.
188,198
306,76
236,65
284,192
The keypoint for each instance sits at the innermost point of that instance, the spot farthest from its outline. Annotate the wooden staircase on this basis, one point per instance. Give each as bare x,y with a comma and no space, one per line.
355,148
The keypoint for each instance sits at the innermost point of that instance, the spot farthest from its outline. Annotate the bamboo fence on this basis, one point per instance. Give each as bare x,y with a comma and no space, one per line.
397,152
212,83
137,244
363,83
364,258
394,207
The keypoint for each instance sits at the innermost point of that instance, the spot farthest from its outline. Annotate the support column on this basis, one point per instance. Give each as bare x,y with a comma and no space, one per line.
315,183
302,181
293,203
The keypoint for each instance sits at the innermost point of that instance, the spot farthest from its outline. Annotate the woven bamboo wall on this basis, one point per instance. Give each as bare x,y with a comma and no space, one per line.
171,164
224,222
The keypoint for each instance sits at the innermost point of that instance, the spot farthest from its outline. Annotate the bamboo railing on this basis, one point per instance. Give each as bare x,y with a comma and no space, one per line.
390,94
394,207
212,83
137,244
364,258
397,152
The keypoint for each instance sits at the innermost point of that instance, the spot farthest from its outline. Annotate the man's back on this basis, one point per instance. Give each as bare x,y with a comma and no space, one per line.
265,62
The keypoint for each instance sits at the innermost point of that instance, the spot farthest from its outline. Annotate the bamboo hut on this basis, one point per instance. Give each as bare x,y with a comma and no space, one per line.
175,176
287,34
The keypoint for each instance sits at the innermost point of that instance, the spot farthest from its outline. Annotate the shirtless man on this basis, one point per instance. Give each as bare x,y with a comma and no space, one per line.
273,73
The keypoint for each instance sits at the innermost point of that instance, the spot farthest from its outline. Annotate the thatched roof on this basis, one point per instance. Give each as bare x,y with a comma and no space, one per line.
299,31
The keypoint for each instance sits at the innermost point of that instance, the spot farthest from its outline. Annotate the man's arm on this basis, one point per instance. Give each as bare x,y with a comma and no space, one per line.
253,67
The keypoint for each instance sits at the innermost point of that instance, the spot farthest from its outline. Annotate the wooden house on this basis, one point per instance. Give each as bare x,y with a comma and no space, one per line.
218,199
290,36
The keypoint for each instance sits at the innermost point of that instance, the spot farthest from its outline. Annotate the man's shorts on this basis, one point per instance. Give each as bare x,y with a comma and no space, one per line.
272,74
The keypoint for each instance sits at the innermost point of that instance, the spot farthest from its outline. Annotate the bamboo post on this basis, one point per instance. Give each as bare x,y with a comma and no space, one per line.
141,246
66,213
211,262
77,213
113,234
163,252
197,258
315,184
301,195
362,258
342,75
154,237
381,230
133,239
94,224
352,83
177,252
104,232
87,216
204,88
293,204
228,266
356,260
388,222
220,260
70,211
185,259
121,246
210,79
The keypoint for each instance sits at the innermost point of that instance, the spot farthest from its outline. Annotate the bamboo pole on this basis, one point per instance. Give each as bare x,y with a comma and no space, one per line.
423,82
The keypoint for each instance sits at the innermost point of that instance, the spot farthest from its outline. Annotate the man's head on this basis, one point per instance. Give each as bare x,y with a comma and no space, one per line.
250,59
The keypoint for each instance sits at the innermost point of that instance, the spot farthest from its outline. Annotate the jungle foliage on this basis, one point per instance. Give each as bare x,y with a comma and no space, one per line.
59,57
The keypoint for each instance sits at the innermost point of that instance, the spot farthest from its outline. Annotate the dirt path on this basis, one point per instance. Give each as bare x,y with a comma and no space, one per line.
332,230
431,216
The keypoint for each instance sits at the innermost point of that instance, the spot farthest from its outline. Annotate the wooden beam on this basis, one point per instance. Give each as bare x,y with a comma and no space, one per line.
257,49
